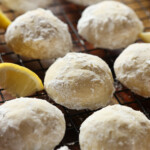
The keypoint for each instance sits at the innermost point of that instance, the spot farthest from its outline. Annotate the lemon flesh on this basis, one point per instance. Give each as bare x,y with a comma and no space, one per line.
4,21
18,80
145,36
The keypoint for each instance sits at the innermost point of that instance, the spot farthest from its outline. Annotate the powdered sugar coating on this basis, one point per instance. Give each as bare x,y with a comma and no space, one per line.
110,25
85,2
63,148
22,6
79,81
132,68
115,128
30,124
39,34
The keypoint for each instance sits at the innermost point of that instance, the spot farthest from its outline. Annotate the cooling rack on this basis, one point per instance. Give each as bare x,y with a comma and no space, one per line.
70,13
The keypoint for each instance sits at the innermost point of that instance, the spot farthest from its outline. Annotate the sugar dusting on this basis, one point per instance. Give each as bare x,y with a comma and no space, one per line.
77,71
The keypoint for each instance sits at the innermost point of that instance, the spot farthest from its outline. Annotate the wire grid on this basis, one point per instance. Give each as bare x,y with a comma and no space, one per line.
70,13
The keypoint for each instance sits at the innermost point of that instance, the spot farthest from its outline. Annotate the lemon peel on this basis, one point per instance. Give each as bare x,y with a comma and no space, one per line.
145,36
18,80
4,21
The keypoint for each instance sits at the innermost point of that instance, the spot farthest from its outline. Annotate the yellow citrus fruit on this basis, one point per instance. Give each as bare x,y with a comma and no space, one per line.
145,36
18,80
4,21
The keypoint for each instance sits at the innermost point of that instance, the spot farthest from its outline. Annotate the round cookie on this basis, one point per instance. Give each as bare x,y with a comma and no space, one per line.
115,128
30,124
79,81
22,6
110,25
132,68
85,2
38,34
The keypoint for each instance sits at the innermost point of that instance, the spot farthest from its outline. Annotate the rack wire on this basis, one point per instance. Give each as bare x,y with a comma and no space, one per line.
70,13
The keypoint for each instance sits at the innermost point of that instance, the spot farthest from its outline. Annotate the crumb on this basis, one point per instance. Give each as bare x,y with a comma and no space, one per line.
63,148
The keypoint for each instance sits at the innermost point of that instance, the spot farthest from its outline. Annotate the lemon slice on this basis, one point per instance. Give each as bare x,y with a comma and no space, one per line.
145,36
4,21
18,80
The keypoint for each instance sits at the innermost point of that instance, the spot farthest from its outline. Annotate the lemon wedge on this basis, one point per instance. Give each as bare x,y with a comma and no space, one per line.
4,21
145,36
18,80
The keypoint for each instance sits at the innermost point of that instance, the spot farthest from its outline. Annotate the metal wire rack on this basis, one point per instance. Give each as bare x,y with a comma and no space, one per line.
70,13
